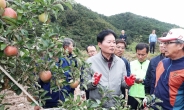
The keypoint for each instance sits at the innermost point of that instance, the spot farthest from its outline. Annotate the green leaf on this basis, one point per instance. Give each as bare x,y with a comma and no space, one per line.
53,64
68,5
85,86
139,102
3,46
30,23
60,6
55,13
20,11
98,101
94,105
50,54
2,107
43,94
47,98
9,20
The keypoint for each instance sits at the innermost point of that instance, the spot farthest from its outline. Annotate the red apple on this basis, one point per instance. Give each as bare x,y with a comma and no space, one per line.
9,12
11,51
45,76
74,84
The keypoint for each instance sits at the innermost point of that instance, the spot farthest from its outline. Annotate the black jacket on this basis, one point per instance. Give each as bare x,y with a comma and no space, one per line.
123,36
150,74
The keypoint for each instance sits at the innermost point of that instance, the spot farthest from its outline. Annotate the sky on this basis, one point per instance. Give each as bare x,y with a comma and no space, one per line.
169,11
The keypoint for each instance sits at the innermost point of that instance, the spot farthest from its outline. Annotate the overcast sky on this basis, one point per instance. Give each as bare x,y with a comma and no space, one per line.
170,11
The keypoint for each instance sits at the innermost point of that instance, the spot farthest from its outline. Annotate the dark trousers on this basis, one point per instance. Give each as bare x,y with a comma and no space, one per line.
134,103
123,92
87,94
152,47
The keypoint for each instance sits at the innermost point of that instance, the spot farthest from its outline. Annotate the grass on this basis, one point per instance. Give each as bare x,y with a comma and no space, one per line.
130,53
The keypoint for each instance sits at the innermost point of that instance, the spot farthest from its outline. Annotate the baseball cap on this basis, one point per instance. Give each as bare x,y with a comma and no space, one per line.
173,34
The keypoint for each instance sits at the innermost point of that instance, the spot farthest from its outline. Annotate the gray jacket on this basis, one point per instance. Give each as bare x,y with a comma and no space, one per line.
112,78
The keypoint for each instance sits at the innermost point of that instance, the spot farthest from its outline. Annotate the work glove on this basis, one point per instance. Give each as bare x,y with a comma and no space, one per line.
149,100
130,80
96,78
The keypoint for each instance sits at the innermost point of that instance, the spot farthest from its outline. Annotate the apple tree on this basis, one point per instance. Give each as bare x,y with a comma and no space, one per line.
30,46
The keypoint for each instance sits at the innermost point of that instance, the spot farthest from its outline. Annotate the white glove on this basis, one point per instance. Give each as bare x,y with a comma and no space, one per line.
145,102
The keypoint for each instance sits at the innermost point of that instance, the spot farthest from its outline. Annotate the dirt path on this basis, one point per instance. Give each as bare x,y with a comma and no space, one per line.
19,102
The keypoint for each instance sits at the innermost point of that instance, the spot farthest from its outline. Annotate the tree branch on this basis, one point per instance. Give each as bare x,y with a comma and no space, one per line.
4,39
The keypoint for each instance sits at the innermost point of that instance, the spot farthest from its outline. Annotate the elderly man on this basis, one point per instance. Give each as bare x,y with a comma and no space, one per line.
107,70
123,36
68,45
169,86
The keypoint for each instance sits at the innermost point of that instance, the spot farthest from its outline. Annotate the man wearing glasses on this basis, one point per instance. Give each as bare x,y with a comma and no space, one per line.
91,50
169,85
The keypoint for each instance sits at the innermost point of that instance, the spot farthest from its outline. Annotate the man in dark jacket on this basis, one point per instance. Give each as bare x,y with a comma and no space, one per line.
152,67
123,36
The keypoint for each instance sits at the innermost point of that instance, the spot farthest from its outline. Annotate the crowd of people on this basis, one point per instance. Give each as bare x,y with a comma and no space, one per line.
162,76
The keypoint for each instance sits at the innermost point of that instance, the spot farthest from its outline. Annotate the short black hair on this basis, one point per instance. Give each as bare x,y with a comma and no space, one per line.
89,46
102,34
141,46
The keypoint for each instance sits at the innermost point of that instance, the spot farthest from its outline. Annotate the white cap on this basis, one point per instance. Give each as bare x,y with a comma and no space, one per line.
173,34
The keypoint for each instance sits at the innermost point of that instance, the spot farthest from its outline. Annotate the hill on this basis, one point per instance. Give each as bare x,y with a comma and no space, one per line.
138,27
82,24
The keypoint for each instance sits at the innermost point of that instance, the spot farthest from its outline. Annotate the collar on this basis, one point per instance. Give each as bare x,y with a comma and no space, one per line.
110,60
141,62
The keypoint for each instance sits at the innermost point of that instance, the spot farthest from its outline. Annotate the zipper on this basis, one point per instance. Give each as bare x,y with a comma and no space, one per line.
168,70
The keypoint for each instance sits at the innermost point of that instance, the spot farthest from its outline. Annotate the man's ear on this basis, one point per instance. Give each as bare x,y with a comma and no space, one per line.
181,46
65,47
99,44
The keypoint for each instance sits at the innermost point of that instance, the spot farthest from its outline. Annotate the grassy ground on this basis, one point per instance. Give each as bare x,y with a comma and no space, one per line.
130,53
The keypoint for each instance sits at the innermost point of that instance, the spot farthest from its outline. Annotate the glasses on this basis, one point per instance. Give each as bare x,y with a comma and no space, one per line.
160,43
166,43
92,51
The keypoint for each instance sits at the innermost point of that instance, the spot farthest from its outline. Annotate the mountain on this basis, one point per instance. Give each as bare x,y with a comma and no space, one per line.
138,27
83,25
